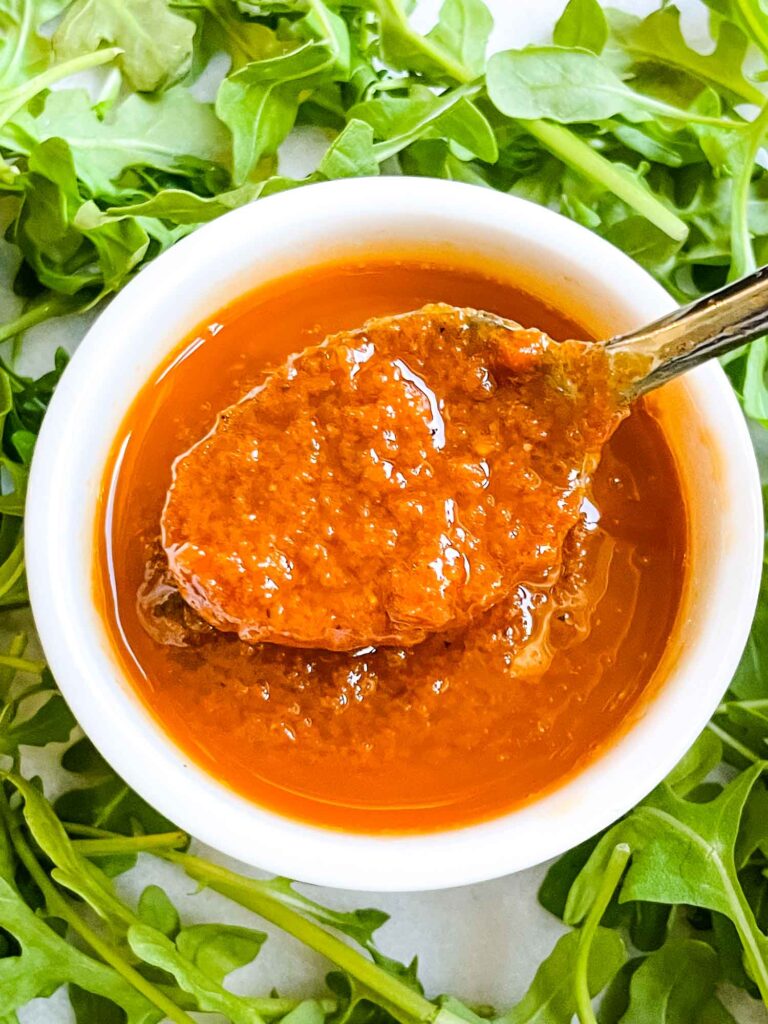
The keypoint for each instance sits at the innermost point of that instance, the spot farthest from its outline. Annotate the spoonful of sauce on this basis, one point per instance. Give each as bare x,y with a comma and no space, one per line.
400,479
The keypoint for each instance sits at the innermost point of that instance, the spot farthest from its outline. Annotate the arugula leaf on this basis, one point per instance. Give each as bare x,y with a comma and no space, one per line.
47,962
88,1007
695,765
570,85
259,103
399,121
676,985
560,876
582,24
51,723
171,132
23,50
380,980
684,853
156,910
64,257
156,42
462,30
551,997
72,870
351,154
156,949
359,925
219,949
404,49
223,29
434,159
749,15
178,205
102,799
658,39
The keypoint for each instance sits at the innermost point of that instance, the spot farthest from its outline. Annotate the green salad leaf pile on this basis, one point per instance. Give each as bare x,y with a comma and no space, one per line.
618,122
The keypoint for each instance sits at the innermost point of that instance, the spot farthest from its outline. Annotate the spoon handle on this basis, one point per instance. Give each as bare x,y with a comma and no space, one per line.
709,327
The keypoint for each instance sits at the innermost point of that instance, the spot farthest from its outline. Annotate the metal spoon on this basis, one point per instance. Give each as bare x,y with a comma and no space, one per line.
707,328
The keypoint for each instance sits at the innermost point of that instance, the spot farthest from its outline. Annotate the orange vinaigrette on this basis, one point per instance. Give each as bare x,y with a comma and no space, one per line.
458,728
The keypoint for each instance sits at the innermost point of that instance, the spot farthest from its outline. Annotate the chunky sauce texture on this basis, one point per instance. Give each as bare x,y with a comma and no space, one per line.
468,723
392,482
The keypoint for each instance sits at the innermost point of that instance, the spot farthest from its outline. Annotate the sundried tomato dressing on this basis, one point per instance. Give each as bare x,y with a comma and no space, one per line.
420,450
458,728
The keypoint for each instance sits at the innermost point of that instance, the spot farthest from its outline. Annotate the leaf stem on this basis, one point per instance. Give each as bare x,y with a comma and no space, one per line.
55,305
130,844
75,828
690,116
746,705
60,907
593,165
611,878
734,744
755,23
21,664
742,253
405,1004
16,649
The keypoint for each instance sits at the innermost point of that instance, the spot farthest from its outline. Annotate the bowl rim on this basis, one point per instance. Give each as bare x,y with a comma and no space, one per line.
61,489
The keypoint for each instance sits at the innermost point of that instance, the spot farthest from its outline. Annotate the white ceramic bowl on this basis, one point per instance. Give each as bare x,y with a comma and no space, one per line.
351,218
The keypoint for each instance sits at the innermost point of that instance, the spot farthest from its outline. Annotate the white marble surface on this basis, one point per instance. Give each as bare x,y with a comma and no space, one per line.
482,942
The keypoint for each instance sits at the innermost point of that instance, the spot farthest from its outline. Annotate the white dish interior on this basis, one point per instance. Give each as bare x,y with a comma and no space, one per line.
595,283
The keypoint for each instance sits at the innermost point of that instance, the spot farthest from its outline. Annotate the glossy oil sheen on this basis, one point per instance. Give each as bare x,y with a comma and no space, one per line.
456,729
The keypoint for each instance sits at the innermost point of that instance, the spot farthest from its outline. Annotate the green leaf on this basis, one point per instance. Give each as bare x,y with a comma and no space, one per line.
219,949
89,1008
560,876
695,765
676,985
433,159
156,910
615,999
184,207
63,257
551,998
462,30
351,154
755,389
402,48
12,586
565,85
47,962
658,39
51,723
359,925
582,24
309,1011
748,15
71,869
683,853
23,50
399,121
259,103
171,132
103,800
156,949
156,42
